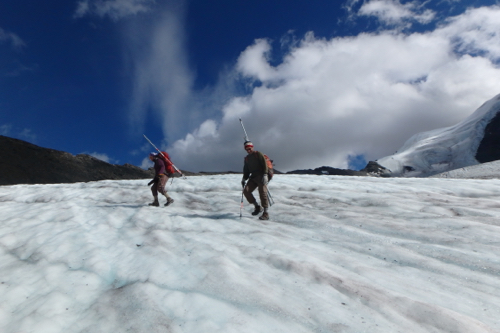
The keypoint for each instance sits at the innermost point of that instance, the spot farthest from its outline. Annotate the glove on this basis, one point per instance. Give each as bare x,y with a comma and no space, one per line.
265,180
152,181
243,182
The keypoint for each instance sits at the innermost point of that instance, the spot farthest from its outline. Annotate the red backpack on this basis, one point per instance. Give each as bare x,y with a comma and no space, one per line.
169,166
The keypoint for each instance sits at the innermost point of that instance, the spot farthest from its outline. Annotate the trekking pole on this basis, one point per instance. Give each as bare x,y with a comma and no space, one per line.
246,139
271,200
241,206
159,151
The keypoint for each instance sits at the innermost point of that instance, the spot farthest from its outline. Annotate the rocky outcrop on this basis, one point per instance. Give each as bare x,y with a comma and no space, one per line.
489,148
326,170
375,169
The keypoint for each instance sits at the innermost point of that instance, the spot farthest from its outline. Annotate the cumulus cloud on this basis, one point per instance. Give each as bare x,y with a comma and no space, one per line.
254,62
115,9
332,99
475,32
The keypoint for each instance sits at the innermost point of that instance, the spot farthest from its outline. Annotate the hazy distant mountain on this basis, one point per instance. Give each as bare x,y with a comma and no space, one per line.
473,141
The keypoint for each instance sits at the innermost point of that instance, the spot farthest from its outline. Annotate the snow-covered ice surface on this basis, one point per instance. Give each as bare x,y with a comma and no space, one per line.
441,150
480,171
340,254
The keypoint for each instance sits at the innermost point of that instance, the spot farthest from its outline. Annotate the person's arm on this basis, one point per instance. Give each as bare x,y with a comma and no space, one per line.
263,163
161,167
246,171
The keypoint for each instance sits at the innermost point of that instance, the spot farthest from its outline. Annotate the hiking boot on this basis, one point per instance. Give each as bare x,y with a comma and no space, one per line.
155,203
265,216
169,201
256,211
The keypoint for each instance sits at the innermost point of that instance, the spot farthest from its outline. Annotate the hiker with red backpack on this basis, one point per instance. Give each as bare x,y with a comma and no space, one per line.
256,170
163,171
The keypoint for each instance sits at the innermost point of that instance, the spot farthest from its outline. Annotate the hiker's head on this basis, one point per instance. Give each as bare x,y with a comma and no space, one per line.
152,156
248,146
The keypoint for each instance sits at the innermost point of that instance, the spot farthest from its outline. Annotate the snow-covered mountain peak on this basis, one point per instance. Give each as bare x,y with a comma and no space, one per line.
441,150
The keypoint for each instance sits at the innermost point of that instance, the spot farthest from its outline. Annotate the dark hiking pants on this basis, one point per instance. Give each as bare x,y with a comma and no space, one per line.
252,184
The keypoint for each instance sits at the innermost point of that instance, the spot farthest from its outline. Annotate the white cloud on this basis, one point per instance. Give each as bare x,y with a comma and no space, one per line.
5,129
475,32
24,134
14,39
362,95
162,81
392,12
102,157
28,135
146,163
254,61
115,9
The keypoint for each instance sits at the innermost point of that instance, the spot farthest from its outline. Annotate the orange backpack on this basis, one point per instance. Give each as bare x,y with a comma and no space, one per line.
270,171
270,166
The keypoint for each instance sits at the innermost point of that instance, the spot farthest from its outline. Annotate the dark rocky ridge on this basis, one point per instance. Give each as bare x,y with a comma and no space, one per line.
489,148
375,169
25,163
326,170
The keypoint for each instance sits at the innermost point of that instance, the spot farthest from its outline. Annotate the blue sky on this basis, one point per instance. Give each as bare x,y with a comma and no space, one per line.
316,82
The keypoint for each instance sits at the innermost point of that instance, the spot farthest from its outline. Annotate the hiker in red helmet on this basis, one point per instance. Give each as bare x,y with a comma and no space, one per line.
160,180
255,170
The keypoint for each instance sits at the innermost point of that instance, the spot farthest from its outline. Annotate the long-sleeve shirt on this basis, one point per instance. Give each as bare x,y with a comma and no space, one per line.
159,167
255,164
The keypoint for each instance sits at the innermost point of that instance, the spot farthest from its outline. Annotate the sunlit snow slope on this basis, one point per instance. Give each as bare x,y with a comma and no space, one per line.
340,254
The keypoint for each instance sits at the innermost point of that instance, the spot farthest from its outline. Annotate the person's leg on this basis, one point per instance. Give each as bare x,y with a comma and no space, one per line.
264,199
162,188
247,191
154,191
